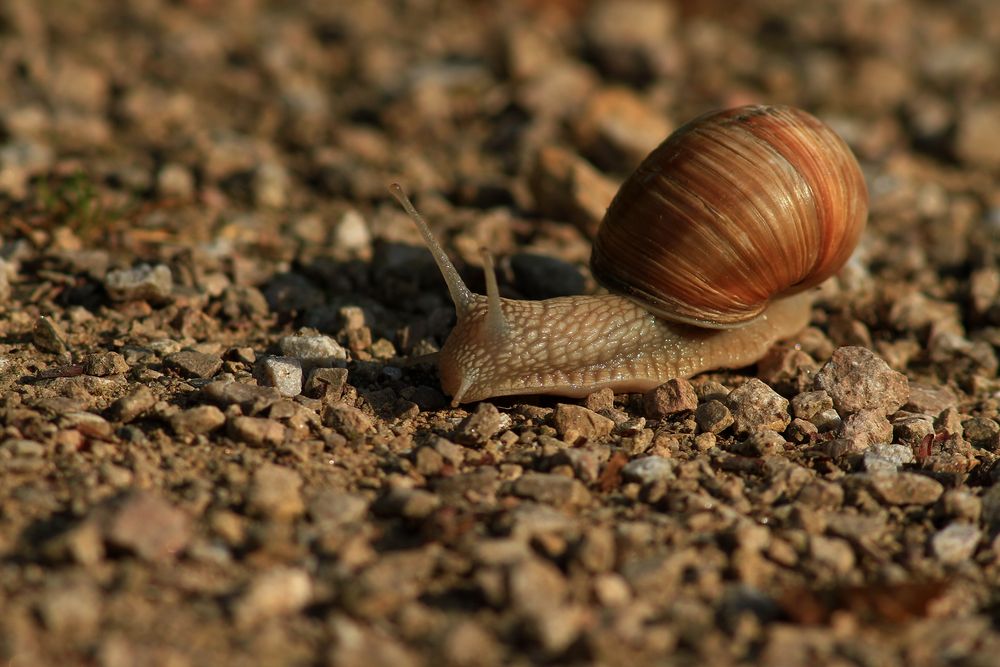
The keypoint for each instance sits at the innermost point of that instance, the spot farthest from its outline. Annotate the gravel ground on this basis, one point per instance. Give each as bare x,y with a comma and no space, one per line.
219,446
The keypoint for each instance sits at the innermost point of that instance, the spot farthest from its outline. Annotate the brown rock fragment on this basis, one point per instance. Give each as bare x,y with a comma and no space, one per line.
574,422
275,493
858,379
755,406
149,526
669,398
905,488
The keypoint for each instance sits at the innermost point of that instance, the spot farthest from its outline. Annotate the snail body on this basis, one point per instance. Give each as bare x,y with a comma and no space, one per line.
709,248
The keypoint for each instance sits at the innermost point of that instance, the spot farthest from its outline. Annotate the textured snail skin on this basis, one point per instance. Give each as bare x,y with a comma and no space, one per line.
573,346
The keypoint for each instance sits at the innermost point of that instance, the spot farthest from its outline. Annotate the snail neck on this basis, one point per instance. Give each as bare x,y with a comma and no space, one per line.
573,346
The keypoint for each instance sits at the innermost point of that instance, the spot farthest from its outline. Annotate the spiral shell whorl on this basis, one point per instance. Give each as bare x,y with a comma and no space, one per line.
733,209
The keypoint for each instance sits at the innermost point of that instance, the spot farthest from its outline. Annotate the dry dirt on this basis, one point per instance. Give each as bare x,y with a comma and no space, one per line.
220,447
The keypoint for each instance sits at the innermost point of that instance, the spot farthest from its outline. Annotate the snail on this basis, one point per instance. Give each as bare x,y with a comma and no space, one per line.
709,250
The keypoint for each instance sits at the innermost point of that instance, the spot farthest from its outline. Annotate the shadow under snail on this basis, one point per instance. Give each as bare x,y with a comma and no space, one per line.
709,248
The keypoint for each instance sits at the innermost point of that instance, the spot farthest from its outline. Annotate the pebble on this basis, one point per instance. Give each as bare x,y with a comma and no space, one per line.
312,350
104,364
756,407
256,431
282,373
275,493
602,399
142,283
351,233
905,488
975,140
575,422
858,379
649,469
831,554
550,489
48,336
271,184
482,424
911,431
808,404
618,129
347,419
148,526
327,383
887,458
193,364
406,503
628,36
71,612
175,181
930,400
669,398
982,433
133,404
197,420
251,399
713,417
864,429
567,187
278,592
956,543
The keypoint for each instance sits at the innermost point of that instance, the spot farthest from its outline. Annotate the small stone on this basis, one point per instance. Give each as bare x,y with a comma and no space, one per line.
669,398
480,426
961,505
347,419
956,543
413,504
251,399
149,526
755,407
574,422
810,403
865,428
256,431
905,488
71,613
649,469
762,443
911,431
271,184
617,129
48,336
858,379
602,399
327,383
192,364
469,644
350,232
982,433
975,140
567,187
832,554
801,431
713,417
930,400
175,181
104,364
278,592
550,489
628,36
197,420
144,282
275,493
887,458
133,404
282,373
312,350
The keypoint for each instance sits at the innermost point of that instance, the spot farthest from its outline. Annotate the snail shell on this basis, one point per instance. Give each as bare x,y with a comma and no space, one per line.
733,209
